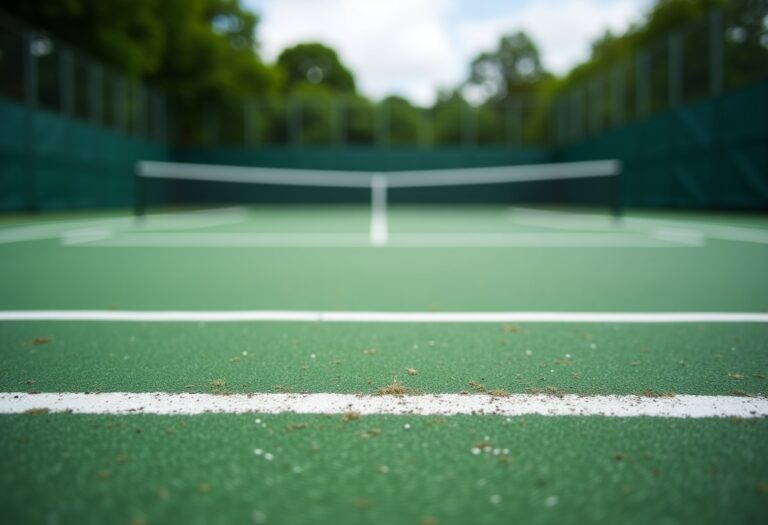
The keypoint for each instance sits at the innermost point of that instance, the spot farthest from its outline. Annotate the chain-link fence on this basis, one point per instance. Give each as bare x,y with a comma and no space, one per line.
721,51
724,50
43,73
347,121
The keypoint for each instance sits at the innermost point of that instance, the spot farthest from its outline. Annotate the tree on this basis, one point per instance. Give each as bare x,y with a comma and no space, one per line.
316,64
198,51
211,53
401,123
513,68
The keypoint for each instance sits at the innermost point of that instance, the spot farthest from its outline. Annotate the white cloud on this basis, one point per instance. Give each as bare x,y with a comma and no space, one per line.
393,46
413,47
563,29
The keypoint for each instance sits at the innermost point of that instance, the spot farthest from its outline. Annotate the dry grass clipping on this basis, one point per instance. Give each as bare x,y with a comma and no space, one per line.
395,388
36,411
477,386
546,391
656,393
350,415
499,392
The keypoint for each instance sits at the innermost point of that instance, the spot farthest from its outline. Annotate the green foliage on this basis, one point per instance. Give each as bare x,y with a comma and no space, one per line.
746,55
210,53
124,33
204,55
449,114
196,50
514,67
315,114
360,120
315,64
403,124
510,80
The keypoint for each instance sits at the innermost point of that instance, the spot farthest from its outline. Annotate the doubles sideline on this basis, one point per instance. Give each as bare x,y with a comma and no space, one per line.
219,316
120,403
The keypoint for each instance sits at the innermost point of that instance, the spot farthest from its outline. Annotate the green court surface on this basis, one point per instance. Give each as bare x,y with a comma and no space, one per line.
413,469
311,357
207,469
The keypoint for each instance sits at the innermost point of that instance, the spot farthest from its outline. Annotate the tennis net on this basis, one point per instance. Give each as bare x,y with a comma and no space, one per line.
543,183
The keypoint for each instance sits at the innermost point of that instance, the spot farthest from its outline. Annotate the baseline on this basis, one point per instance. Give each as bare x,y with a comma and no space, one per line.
121,403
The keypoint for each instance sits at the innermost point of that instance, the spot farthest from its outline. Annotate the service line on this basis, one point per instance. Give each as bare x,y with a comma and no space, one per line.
161,403
380,235
220,316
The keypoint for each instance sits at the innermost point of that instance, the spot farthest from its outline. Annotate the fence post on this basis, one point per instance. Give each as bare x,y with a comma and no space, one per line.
513,121
559,121
618,95
577,101
249,126
66,81
717,156
158,124
596,107
675,69
642,81
30,101
212,126
429,128
119,94
468,125
382,124
339,111
715,52
294,115
96,93
140,108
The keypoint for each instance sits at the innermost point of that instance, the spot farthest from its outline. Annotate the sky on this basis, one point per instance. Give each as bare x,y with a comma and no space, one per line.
413,48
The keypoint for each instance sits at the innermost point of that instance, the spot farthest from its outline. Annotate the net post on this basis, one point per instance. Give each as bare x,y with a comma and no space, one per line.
616,201
139,206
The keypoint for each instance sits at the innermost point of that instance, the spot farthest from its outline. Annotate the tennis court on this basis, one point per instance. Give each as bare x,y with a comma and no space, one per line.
484,364
383,262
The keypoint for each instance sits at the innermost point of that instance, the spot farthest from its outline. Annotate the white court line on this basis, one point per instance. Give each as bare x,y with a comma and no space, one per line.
539,240
571,221
121,403
379,236
85,235
233,240
379,228
72,229
219,316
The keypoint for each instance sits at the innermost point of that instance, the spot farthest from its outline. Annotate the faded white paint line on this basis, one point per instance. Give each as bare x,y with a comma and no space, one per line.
379,229
87,231
536,240
572,221
75,229
381,317
379,236
682,236
234,239
118,403
85,235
